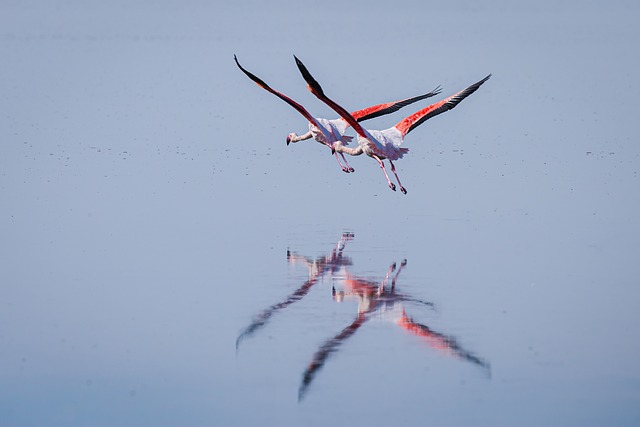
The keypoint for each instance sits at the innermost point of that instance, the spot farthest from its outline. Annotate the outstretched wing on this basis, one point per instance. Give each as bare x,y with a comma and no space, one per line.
316,89
442,342
416,119
390,107
329,347
284,97
265,315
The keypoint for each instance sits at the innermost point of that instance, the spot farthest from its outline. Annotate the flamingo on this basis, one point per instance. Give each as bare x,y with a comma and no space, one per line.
385,144
328,132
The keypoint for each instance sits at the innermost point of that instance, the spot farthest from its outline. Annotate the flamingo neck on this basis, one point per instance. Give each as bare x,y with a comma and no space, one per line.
296,138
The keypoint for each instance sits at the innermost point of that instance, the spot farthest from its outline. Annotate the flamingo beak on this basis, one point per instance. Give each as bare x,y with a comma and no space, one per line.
288,139
333,151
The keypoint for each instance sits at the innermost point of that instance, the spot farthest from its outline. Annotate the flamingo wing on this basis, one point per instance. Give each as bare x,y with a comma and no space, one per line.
416,119
440,341
390,107
282,96
262,319
329,347
316,89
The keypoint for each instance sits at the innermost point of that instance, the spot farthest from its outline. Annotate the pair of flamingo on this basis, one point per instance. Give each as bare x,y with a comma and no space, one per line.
379,145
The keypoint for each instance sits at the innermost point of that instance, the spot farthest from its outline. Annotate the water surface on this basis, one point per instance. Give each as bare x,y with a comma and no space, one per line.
169,260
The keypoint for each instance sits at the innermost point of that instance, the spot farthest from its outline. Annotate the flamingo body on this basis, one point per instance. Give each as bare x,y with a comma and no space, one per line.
385,144
330,132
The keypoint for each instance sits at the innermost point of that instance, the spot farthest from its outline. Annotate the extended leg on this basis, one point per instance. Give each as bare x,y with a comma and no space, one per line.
395,278
393,169
347,164
391,184
343,167
383,284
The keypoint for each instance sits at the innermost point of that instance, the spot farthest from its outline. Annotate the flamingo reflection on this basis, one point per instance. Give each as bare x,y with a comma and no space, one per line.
317,269
374,299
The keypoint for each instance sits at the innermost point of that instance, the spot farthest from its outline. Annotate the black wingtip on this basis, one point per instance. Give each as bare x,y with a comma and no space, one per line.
299,63
314,86
474,87
235,58
252,76
301,66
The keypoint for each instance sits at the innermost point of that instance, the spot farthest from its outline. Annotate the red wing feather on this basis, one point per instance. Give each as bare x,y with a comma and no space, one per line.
413,121
390,107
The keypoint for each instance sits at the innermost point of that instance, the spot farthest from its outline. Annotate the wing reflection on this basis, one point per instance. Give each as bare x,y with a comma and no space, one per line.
446,343
317,269
372,298
376,299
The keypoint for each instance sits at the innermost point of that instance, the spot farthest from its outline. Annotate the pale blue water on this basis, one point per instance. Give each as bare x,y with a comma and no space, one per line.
148,200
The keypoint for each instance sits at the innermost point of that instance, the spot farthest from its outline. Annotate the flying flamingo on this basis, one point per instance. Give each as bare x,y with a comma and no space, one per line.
328,132
385,144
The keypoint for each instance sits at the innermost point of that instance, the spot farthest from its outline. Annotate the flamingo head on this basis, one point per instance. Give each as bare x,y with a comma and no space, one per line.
291,138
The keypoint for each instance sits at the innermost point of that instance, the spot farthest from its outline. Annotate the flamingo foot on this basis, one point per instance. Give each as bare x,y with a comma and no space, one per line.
351,169
404,190
345,170
392,186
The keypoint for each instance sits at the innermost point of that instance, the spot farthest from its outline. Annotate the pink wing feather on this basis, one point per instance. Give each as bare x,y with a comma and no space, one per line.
390,107
416,119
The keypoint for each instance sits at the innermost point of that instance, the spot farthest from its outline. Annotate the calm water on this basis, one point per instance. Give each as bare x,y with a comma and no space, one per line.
169,260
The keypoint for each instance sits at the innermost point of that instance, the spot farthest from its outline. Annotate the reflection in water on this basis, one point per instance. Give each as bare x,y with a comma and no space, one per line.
317,269
372,298
375,299
381,300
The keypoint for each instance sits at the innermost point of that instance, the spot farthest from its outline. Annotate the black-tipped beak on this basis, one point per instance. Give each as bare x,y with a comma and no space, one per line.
288,140
333,151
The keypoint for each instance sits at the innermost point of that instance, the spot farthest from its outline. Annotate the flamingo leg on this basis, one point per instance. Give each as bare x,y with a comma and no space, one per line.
383,284
391,184
393,169
347,163
343,167
395,278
